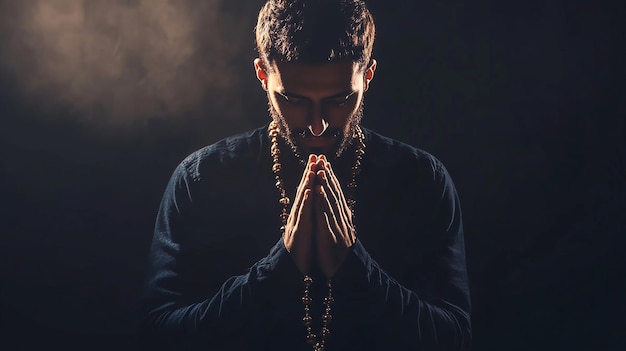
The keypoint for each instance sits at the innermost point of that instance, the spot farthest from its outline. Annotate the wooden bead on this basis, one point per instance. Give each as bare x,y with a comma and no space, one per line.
308,281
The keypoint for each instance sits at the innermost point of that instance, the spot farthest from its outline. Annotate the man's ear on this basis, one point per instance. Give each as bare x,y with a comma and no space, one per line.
369,74
261,74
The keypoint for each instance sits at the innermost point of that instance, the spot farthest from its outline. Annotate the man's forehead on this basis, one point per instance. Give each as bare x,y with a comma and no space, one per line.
338,75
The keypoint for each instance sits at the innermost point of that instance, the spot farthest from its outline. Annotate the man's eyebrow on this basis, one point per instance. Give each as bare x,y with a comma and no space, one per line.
290,95
343,94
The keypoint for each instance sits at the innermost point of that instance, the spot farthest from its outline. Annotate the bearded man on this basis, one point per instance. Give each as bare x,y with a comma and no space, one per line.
311,232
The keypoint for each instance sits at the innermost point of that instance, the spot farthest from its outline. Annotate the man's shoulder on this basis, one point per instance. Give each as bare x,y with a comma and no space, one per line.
399,164
237,149
390,152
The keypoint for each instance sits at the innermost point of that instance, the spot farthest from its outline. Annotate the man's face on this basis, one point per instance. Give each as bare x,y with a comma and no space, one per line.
317,106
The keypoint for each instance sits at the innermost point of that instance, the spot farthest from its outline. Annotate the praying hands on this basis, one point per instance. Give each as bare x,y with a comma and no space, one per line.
319,228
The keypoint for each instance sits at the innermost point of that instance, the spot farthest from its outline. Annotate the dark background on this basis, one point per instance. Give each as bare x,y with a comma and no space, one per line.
522,101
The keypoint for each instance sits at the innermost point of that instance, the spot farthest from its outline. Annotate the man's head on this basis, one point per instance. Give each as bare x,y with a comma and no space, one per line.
315,62
315,32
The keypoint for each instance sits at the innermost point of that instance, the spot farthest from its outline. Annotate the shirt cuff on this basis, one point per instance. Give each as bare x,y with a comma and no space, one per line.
276,273
355,273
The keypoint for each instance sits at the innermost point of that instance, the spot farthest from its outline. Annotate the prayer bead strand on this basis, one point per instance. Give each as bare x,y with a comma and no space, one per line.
311,338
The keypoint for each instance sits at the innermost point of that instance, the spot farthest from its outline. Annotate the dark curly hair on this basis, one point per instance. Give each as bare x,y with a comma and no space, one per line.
315,31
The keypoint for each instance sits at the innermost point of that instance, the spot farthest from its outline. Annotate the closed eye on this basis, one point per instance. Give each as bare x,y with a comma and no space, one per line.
293,100
341,100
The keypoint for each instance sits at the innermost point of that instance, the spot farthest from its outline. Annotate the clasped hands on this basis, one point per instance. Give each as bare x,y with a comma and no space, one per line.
319,228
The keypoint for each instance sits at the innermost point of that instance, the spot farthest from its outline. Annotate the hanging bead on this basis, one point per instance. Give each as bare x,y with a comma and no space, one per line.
308,281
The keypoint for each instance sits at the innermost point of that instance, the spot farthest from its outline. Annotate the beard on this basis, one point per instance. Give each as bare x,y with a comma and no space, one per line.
345,136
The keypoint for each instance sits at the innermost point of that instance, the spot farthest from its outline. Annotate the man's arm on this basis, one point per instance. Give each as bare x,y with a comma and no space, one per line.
174,311
434,314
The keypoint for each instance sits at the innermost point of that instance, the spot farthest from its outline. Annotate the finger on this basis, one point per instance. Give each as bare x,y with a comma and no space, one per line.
312,160
328,218
306,210
309,181
336,207
319,163
344,224
335,185
325,232
304,239
334,181
305,183
323,180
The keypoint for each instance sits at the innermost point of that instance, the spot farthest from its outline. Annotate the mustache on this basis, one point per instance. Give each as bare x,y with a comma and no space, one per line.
306,133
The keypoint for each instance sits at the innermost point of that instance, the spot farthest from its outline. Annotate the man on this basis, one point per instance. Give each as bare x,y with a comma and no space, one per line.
311,232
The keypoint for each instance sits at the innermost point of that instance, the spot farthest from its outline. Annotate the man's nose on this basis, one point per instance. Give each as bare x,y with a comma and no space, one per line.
317,122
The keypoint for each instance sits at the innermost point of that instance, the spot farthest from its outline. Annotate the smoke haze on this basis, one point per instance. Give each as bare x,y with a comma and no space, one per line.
123,62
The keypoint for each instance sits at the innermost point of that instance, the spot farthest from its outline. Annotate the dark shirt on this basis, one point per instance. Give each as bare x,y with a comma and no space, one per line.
220,277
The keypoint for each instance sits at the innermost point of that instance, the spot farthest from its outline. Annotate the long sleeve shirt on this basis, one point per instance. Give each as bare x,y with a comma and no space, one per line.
220,277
